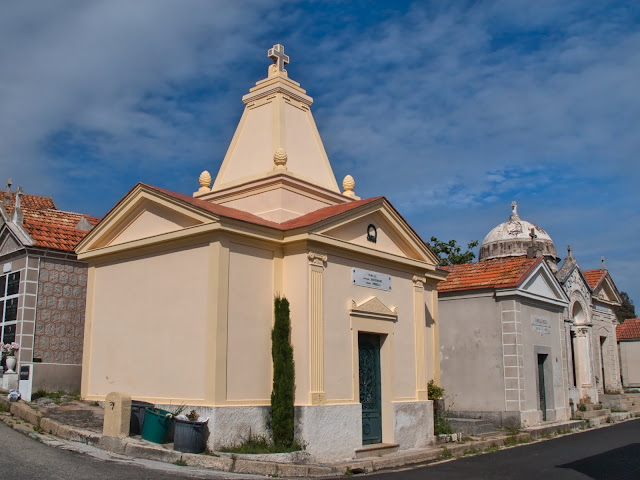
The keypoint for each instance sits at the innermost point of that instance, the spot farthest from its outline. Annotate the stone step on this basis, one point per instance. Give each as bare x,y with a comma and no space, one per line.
376,450
589,414
471,426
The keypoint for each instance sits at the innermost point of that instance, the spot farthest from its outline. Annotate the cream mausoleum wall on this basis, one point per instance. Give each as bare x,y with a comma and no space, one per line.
471,352
630,362
144,314
250,312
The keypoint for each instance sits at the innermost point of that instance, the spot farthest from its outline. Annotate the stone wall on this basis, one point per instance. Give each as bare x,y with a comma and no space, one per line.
62,290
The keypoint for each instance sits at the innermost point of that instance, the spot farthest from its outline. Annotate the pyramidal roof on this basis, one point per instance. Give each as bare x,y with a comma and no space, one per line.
276,134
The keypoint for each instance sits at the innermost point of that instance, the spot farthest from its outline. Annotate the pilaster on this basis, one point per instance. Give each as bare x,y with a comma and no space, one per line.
317,263
513,356
420,336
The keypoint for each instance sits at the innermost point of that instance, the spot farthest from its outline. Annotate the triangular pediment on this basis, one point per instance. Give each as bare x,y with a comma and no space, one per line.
607,292
541,284
374,307
380,228
8,244
143,213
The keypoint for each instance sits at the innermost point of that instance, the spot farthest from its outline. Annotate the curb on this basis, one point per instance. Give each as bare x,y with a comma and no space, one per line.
232,464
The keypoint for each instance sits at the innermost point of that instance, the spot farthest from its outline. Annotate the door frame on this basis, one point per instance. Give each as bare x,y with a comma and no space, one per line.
548,380
383,328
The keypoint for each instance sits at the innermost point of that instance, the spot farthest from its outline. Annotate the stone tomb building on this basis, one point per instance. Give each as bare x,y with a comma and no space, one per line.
531,324
181,291
43,287
502,348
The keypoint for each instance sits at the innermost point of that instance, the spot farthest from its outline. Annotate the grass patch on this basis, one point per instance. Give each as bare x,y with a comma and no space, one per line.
446,453
58,397
492,448
3,408
513,429
472,450
510,441
180,463
36,428
261,444
441,426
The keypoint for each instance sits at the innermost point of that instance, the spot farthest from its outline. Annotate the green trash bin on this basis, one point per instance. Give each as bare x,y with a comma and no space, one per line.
157,423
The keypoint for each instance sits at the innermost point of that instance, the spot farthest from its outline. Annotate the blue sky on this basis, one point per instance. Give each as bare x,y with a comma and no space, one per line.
449,109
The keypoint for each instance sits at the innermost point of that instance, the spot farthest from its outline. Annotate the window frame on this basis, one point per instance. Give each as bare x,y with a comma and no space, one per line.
5,299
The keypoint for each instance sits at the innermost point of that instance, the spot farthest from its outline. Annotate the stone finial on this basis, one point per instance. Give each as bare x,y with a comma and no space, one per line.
349,184
280,159
7,196
569,251
514,211
533,235
18,217
279,60
205,181
602,266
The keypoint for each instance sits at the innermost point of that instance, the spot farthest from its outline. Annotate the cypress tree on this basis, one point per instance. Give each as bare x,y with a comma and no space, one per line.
283,376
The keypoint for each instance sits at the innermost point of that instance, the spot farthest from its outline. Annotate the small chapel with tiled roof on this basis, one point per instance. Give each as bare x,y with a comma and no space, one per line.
531,339
42,290
181,291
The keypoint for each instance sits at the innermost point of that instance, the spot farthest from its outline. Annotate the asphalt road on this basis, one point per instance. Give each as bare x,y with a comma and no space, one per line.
611,453
23,458
600,454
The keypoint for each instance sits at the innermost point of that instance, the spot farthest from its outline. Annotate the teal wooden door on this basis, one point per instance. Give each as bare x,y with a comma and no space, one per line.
369,356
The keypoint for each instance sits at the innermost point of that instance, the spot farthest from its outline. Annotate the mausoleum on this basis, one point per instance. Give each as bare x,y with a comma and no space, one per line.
181,291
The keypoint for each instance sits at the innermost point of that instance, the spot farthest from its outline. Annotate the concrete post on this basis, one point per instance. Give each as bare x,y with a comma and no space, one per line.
117,414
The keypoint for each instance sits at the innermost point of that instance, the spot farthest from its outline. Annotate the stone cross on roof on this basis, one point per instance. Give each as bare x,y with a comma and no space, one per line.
279,58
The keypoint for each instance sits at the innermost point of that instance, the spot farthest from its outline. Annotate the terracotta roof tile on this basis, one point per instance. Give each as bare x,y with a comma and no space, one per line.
54,228
302,221
497,273
594,277
629,330
27,201
46,225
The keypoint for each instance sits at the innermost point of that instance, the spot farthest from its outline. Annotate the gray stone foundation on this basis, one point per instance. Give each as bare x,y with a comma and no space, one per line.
330,432
413,424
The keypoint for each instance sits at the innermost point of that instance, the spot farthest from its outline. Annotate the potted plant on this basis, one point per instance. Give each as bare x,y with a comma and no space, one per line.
190,433
9,350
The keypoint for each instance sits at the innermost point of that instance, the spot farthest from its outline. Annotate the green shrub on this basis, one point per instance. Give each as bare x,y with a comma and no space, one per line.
282,395
434,392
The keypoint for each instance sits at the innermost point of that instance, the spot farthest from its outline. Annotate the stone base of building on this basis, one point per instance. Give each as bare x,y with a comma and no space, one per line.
54,377
413,424
328,432
525,418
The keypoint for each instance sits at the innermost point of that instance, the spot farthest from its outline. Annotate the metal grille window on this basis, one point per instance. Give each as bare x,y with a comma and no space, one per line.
9,289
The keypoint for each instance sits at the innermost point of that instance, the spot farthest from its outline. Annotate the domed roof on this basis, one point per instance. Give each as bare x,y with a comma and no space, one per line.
513,237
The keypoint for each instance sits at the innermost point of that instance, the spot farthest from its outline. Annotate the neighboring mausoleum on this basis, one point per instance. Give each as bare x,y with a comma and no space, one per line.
42,289
545,335
628,336
181,291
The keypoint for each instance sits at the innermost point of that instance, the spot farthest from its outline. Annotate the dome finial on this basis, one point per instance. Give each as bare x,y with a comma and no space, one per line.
514,210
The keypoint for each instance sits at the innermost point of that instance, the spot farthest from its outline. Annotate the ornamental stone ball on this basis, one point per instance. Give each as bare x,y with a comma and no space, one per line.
280,159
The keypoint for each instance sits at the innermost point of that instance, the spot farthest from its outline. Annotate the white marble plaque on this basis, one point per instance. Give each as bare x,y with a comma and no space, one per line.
367,278
541,325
